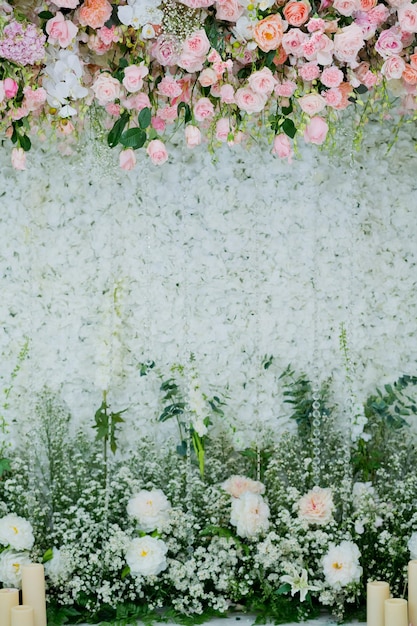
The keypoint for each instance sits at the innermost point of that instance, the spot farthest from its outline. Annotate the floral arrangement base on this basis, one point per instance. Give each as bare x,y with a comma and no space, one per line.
249,620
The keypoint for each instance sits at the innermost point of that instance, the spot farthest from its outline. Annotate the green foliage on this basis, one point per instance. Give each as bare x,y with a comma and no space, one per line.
392,404
106,425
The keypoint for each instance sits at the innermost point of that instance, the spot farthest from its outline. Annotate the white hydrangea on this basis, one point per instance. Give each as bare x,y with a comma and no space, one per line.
146,556
150,509
341,564
16,532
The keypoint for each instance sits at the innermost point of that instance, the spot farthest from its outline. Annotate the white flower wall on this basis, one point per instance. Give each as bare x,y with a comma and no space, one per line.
229,259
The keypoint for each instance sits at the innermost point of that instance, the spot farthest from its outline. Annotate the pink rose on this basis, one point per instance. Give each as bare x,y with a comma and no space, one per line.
190,62
157,152
227,94
312,103
66,4
18,159
282,147
316,506
127,159
10,87
165,51
203,109
389,42
316,131
319,48
309,71
347,44
133,78
34,98
285,89
222,129
60,31
228,10
407,17
333,97
262,81
249,101
169,113
346,7
207,77
138,102
106,88
197,4
2,94
158,123
192,136
169,87
393,68
197,45
316,23
97,45
332,76
293,42
378,15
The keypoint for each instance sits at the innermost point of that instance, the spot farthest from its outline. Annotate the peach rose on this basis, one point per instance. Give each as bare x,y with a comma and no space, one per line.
316,506
410,75
95,13
296,12
316,131
268,32
106,88
367,5
192,136
157,152
127,159
133,78
60,31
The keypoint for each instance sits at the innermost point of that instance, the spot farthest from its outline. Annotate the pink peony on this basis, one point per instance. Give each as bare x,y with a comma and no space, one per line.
268,32
157,152
237,485
293,42
192,136
18,159
60,31
282,147
316,506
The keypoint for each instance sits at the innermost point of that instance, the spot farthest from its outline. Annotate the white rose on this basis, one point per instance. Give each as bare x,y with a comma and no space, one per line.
250,515
10,567
16,532
341,564
150,509
146,556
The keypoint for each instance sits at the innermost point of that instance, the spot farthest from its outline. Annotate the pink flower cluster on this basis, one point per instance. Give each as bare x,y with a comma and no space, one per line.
22,44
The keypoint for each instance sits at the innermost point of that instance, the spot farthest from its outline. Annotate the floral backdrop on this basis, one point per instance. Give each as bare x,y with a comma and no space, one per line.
207,374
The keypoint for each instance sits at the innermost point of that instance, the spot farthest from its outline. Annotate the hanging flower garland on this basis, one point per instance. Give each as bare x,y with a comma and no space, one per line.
219,70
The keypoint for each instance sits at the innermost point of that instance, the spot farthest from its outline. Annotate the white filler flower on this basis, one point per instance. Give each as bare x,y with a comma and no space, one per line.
150,509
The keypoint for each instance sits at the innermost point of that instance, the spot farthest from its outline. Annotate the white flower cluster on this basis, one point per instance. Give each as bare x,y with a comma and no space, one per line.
16,534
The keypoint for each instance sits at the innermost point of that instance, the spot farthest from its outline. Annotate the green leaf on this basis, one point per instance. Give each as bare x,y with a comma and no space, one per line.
4,466
284,588
144,118
45,15
289,128
115,133
187,111
125,572
133,138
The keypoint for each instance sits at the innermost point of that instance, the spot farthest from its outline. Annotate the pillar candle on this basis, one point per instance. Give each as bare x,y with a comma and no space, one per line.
396,613
377,592
8,599
33,591
22,615
412,593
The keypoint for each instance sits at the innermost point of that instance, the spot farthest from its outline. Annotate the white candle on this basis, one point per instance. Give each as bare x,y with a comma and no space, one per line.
33,591
396,613
8,599
377,592
412,593
22,616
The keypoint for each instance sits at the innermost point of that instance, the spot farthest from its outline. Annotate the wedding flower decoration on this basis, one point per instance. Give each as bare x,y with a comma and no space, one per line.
150,509
146,556
217,71
11,563
299,584
236,486
250,515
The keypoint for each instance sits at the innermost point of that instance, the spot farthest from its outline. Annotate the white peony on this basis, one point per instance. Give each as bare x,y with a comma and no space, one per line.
412,546
341,564
316,506
10,567
250,515
150,509
16,532
146,556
